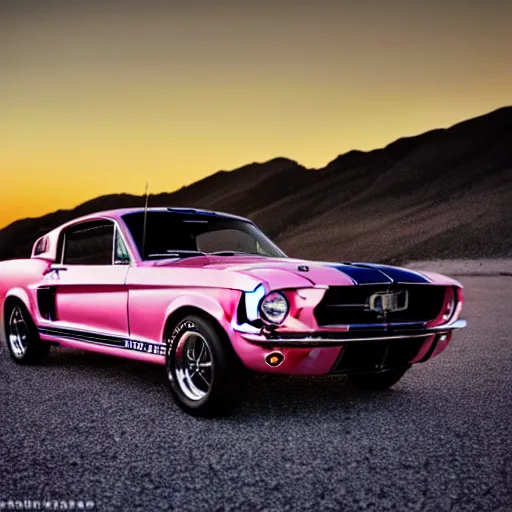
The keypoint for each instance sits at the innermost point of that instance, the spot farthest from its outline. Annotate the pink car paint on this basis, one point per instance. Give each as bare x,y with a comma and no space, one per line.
126,310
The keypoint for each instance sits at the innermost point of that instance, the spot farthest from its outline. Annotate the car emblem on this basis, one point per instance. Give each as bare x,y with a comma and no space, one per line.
303,268
387,302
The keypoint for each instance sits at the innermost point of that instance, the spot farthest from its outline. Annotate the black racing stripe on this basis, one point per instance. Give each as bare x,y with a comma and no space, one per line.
79,335
104,340
363,275
398,275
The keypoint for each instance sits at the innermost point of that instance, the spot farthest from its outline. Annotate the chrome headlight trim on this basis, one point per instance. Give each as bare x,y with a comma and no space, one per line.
279,313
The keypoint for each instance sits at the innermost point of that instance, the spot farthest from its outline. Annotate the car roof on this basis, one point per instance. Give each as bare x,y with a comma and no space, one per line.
172,209
117,214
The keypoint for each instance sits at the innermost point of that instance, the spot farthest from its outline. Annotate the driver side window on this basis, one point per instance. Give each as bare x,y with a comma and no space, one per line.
89,243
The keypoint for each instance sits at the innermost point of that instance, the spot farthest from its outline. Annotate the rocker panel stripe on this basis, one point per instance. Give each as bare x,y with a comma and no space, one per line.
105,340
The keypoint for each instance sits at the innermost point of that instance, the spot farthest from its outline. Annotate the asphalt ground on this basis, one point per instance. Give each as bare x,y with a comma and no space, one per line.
104,430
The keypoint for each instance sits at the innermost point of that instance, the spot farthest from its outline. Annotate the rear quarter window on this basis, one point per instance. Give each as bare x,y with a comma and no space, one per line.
41,246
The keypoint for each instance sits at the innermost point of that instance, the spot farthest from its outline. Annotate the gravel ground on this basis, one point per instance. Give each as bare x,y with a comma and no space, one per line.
90,427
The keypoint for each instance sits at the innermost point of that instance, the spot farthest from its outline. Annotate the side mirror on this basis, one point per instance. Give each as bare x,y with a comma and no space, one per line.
54,267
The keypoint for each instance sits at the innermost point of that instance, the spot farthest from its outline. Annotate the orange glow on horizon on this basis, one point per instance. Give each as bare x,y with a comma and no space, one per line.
97,100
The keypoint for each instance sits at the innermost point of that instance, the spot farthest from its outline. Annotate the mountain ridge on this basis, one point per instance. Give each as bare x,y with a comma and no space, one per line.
445,192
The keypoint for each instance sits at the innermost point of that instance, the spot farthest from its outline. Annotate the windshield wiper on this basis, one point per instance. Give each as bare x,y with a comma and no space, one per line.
177,253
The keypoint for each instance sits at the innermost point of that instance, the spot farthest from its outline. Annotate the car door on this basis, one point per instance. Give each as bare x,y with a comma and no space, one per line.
88,287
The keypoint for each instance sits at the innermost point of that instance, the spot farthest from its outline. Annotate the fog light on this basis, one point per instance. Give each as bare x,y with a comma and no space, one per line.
274,358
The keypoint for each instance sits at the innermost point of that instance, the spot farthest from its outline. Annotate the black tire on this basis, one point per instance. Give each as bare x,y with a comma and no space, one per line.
23,341
199,389
377,381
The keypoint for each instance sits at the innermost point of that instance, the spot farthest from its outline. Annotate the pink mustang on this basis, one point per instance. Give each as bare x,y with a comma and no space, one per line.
209,296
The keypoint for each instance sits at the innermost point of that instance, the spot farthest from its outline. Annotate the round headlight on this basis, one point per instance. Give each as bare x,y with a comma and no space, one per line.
274,307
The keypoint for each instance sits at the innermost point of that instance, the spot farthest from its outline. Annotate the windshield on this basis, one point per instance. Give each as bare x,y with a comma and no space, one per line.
177,235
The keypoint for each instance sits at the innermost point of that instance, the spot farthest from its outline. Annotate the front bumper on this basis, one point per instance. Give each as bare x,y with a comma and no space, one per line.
337,338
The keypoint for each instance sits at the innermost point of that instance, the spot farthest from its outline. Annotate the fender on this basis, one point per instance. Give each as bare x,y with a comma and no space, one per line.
221,308
22,295
441,279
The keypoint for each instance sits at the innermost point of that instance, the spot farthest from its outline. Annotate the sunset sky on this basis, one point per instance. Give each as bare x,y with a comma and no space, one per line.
98,97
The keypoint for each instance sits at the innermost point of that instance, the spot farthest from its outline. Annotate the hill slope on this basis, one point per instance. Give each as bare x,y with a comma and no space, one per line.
445,193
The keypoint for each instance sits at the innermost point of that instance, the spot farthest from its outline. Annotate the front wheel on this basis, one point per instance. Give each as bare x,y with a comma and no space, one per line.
23,341
377,381
206,377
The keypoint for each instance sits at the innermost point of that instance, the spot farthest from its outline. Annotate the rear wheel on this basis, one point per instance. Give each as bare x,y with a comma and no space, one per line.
23,341
377,381
206,377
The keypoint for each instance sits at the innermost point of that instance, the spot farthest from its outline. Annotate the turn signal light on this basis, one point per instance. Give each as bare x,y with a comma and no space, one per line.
274,358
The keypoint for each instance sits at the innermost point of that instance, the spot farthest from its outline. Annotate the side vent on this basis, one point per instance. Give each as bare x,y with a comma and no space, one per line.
46,302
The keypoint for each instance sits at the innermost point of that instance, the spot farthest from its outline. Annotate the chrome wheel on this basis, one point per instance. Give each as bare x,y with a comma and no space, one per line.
193,365
18,333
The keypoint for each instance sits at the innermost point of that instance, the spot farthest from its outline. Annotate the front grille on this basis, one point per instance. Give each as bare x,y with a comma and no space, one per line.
368,356
349,305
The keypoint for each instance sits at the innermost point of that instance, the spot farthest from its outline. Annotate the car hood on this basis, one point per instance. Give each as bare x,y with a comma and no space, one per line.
288,272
